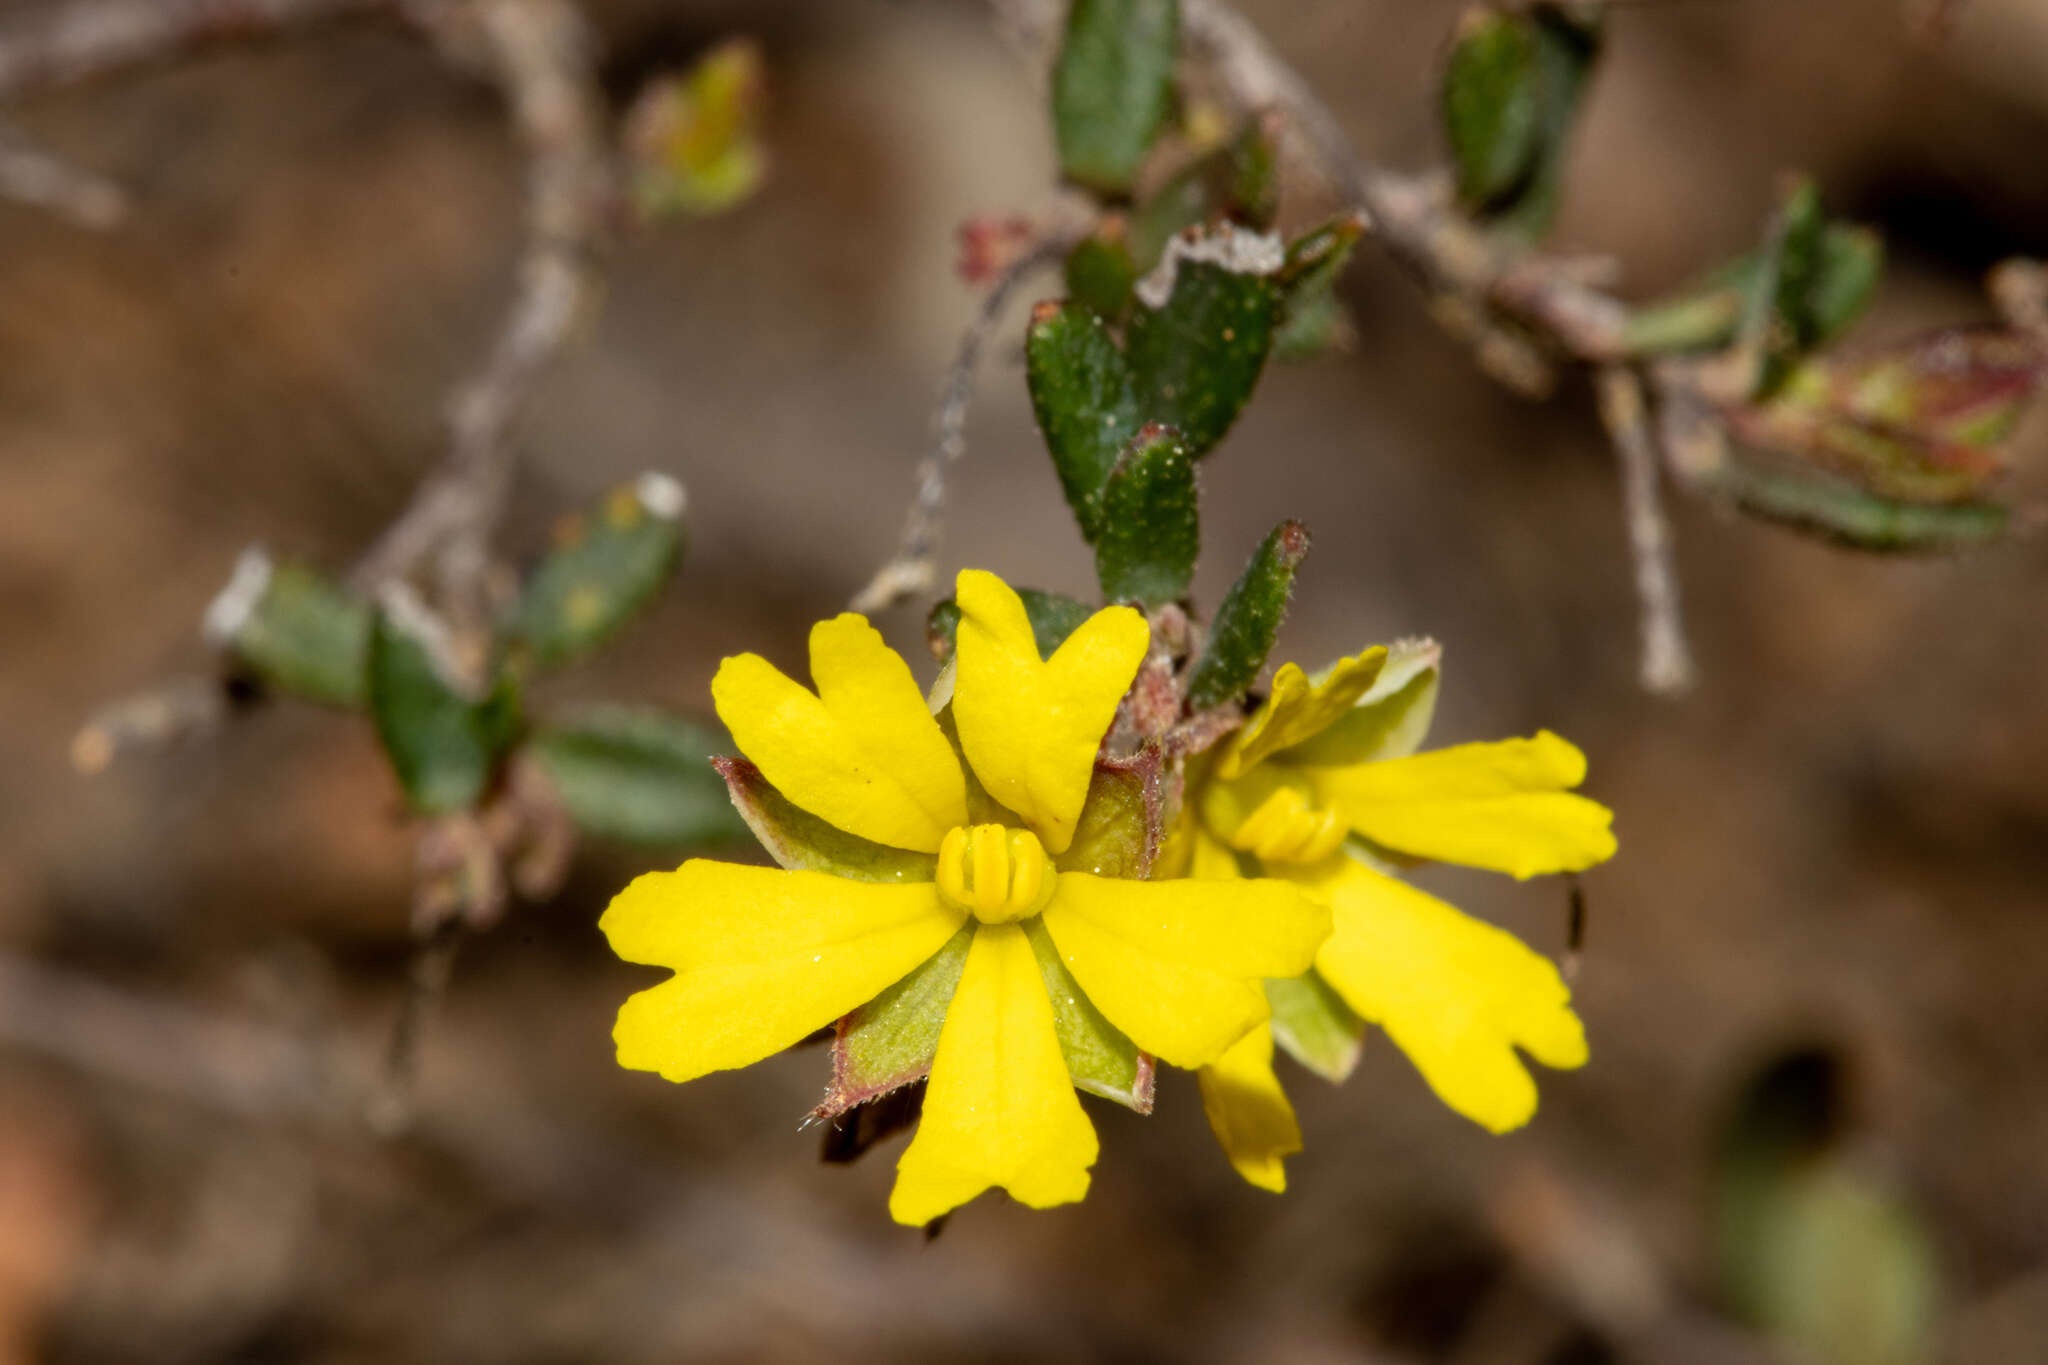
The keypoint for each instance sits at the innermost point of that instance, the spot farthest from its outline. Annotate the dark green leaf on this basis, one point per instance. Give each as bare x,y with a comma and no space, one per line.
1112,88
609,563
1492,104
1312,318
301,634
1149,535
1099,1058
1196,355
1248,622
890,1041
1851,263
444,747
797,839
1100,271
1237,181
1510,95
1053,618
640,775
1082,393
1707,315
1313,1025
1839,511
1253,195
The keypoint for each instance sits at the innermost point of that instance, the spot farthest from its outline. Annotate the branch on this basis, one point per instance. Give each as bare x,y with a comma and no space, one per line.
912,570
1666,666
540,53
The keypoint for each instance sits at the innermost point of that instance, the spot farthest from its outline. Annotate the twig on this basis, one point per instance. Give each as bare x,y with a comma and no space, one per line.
1666,661
912,570
390,1109
31,175
76,40
540,53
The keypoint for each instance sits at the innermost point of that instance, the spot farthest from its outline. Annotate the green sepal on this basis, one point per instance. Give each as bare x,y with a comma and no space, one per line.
1099,1058
1112,88
1053,618
1241,637
891,1040
1313,1025
1123,818
1510,94
1150,533
640,776
609,563
1101,272
1196,357
1390,720
444,747
304,635
1084,397
800,841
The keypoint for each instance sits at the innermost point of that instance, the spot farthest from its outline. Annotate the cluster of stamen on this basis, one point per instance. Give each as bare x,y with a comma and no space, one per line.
998,873
1286,828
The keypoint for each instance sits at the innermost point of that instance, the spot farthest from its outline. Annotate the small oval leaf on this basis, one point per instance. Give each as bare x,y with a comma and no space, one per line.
1150,532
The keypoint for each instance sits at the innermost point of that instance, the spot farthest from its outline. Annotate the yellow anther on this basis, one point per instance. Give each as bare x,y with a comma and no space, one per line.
1287,829
999,874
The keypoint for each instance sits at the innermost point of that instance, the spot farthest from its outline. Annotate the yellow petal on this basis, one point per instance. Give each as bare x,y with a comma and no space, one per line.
1031,726
1456,994
1000,1108
763,958
1296,708
1178,966
1501,806
863,752
1249,1112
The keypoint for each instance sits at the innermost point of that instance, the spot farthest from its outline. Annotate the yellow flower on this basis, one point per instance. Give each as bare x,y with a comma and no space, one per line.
1322,786
763,957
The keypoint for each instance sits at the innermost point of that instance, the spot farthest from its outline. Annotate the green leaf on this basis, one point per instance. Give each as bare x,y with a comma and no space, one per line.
1839,511
295,629
1099,1058
444,747
1492,105
1707,315
798,840
1084,398
1242,635
1100,271
1053,618
1122,819
1112,88
1510,95
641,776
1237,181
1313,1025
890,1041
1149,535
1312,319
1390,720
608,564
1813,1245
1919,422
1196,354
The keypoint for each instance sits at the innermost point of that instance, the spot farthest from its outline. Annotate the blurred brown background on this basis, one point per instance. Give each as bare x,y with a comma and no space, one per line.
1841,837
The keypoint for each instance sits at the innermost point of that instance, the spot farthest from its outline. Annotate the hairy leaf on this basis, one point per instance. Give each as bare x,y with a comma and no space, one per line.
1248,621
1150,534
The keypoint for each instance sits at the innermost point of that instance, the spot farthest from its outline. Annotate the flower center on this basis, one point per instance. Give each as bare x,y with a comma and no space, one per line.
1000,874
1286,828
